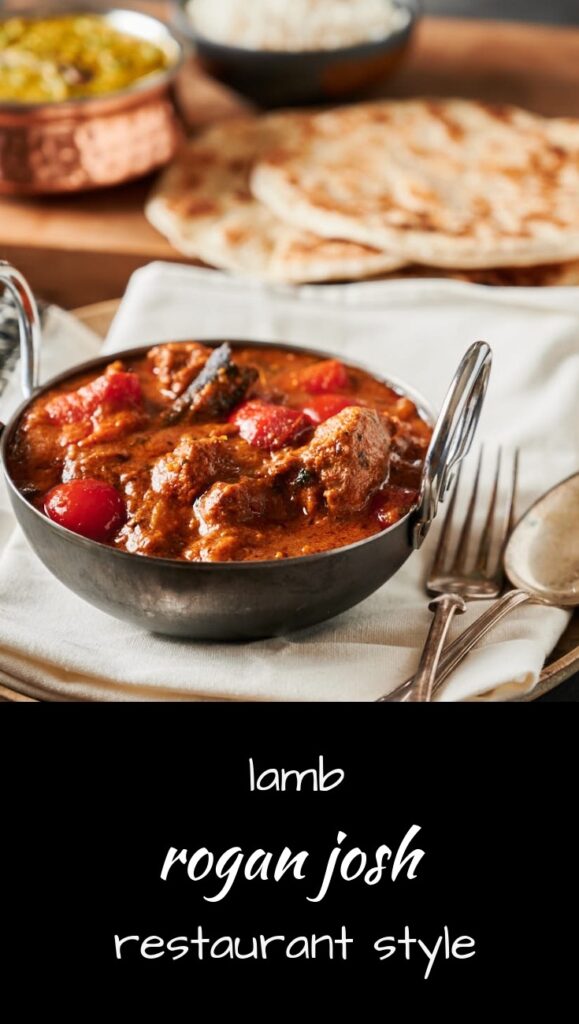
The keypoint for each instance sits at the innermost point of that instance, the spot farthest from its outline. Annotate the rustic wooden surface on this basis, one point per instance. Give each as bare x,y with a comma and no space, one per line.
82,249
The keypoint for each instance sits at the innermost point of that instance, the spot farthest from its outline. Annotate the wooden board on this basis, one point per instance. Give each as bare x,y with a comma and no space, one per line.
82,249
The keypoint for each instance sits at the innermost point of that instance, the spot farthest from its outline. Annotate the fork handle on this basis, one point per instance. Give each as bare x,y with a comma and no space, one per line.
460,647
445,608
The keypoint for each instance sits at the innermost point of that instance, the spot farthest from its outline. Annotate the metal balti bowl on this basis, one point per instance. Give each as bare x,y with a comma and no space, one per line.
285,78
92,142
239,600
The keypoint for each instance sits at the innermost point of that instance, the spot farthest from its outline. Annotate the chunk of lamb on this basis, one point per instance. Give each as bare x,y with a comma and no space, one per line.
176,364
348,456
408,453
186,471
229,505
232,504
155,523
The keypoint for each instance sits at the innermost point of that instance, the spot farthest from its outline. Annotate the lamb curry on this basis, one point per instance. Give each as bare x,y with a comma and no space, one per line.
222,454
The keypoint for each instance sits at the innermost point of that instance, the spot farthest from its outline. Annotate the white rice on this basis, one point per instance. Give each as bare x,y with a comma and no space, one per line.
295,25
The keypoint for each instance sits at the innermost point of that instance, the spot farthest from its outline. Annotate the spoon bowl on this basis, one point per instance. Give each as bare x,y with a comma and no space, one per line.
542,555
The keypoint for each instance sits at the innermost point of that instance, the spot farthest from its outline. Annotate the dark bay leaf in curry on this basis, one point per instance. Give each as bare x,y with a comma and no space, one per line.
233,454
219,386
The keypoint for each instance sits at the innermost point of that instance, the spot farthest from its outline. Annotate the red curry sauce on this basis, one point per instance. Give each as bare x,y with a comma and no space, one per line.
228,455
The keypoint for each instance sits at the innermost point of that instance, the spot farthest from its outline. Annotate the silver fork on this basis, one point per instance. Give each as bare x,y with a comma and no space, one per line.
457,577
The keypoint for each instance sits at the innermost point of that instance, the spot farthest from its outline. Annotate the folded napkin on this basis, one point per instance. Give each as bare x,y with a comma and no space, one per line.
58,647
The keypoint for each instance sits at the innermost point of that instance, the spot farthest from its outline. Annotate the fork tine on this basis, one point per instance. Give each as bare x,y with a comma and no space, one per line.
486,539
461,556
509,519
441,553
512,518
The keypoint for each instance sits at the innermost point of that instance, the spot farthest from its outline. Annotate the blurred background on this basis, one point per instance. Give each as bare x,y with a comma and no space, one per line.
548,11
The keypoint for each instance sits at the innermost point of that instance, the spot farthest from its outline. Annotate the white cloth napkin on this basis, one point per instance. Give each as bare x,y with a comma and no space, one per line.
57,646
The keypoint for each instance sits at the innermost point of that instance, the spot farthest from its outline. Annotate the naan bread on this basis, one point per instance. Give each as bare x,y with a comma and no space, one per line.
550,275
204,206
448,183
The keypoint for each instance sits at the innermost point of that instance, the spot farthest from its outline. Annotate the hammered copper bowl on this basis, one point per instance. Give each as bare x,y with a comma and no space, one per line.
286,78
81,144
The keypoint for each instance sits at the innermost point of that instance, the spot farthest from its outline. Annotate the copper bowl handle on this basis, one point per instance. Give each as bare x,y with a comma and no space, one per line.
29,325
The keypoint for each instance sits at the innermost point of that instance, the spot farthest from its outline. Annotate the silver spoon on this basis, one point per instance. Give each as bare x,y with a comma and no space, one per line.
542,562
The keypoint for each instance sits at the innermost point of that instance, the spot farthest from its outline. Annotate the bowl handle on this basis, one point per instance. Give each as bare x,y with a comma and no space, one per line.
453,434
29,325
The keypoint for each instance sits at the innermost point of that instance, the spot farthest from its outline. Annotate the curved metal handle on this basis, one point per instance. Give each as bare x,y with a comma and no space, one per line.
29,324
453,433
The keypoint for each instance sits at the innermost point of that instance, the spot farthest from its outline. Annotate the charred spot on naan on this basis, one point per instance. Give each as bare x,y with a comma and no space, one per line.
455,130
195,206
238,165
237,236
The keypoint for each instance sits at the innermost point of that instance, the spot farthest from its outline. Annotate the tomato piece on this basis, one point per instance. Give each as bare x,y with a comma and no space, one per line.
92,508
322,407
324,377
117,390
269,426
68,408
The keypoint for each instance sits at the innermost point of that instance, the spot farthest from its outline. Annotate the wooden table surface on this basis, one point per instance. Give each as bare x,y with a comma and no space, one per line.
82,249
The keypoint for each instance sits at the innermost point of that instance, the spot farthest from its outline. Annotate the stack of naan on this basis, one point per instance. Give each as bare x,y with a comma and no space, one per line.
399,188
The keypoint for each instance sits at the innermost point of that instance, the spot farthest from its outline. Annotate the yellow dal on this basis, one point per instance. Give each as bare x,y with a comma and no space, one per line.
62,58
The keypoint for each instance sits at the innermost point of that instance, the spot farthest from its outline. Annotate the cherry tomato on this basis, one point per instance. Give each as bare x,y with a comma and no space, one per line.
324,377
322,407
118,390
92,508
269,426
